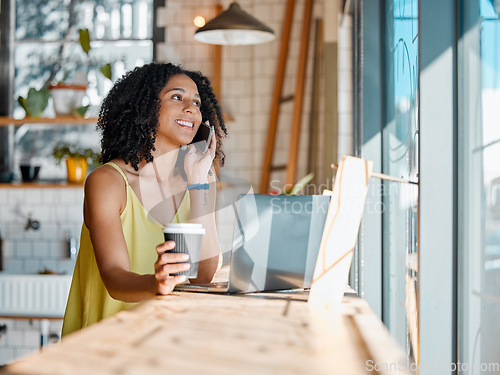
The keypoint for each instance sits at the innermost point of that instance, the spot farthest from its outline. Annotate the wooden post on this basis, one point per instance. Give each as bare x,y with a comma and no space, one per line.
291,170
312,162
277,93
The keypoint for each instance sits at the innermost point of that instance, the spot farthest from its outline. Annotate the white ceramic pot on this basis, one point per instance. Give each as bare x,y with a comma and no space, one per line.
67,97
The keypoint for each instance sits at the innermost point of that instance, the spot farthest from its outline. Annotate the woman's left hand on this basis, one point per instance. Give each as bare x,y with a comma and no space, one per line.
197,164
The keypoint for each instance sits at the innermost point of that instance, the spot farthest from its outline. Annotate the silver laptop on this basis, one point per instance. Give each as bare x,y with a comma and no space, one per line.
275,244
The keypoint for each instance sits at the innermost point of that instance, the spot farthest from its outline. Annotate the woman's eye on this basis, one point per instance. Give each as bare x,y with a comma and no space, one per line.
197,103
176,97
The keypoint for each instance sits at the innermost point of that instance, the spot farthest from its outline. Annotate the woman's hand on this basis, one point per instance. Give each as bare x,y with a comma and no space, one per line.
167,264
197,164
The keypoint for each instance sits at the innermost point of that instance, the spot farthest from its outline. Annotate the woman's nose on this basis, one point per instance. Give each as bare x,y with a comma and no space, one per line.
190,107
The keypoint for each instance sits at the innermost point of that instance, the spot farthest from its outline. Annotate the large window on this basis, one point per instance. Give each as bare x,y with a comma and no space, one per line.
386,106
46,49
479,189
439,134
46,44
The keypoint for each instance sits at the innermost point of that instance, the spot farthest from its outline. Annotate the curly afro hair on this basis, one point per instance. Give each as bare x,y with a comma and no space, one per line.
128,119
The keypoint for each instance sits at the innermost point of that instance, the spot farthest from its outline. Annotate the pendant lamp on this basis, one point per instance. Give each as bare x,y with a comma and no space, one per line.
234,27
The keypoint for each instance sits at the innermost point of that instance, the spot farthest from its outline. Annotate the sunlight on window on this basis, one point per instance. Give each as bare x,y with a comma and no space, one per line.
127,21
143,20
44,39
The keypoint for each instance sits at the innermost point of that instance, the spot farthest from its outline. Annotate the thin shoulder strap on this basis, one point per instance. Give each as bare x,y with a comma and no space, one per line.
119,170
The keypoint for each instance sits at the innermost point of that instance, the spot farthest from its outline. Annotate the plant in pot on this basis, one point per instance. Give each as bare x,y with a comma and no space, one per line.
77,160
67,96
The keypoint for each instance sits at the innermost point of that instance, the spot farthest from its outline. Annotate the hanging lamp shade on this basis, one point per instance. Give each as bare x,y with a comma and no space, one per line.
234,27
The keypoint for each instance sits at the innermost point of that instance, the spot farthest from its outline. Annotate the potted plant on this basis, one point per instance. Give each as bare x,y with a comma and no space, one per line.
77,160
67,96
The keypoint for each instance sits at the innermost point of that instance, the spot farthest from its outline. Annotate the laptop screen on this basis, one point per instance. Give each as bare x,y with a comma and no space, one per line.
276,241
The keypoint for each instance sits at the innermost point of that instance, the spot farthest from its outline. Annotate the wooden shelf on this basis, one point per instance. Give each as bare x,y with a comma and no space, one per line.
39,185
59,120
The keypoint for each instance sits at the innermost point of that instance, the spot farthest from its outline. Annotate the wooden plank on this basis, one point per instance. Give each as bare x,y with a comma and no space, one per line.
340,233
277,93
291,171
331,115
59,120
217,78
193,333
313,156
39,185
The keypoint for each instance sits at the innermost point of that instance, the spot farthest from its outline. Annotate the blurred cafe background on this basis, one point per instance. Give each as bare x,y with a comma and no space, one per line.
413,85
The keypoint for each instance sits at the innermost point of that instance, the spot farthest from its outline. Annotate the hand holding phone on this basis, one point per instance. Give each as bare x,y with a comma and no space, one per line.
202,137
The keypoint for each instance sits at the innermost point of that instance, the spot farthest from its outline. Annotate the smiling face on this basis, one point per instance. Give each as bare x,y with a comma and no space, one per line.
179,116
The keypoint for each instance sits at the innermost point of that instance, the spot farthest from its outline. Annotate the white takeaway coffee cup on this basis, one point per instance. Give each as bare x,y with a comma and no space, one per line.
187,237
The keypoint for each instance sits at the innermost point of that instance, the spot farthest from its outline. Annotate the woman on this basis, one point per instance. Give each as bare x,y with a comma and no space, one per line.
150,178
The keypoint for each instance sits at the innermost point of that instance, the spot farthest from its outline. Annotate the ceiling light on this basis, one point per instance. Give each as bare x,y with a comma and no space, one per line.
234,27
199,21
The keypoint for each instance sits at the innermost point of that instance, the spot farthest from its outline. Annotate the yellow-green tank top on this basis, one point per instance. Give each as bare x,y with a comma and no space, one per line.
89,300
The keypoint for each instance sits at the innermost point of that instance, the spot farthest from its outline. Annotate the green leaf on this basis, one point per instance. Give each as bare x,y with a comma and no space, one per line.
85,40
106,71
22,102
63,150
36,101
80,111
301,184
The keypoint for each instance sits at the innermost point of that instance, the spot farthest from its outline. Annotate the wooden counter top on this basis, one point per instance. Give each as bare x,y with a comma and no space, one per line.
191,333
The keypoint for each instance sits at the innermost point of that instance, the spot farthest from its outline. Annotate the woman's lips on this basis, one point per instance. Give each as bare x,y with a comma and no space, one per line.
185,124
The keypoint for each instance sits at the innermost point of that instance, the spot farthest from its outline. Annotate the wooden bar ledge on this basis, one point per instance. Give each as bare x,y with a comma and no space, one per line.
194,333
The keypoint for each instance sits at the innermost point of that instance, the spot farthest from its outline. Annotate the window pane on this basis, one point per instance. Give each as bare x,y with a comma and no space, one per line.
399,154
35,61
479,190
401,128
400,264
43,51
41,19
105,19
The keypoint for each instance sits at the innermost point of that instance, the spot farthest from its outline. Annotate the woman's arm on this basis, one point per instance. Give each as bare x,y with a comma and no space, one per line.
203,203
203,212
105,199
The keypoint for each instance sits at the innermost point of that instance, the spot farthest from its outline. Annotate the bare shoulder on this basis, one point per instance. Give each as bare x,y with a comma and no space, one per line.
105,184
104,176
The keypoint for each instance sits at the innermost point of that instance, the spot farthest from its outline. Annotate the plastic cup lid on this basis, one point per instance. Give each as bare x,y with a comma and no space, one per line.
191,228
183,225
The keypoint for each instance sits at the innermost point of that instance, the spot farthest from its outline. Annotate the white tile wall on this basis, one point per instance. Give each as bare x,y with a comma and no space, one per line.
23,337
59,212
